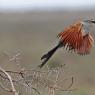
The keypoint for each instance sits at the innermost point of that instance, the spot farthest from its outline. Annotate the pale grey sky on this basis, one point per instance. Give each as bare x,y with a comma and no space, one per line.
26,4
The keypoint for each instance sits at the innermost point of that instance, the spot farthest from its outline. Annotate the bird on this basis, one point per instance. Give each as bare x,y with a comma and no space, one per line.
75,38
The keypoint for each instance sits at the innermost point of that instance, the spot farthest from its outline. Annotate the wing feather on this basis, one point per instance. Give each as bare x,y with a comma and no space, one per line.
72,36
86,46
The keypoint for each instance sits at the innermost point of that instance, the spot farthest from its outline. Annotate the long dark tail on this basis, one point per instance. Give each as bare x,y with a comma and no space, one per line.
47,56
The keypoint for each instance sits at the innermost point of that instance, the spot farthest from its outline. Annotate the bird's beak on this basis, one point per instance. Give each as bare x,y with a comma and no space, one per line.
93,21
90,21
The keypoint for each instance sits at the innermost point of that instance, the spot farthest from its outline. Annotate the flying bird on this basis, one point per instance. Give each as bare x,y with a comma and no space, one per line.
73,38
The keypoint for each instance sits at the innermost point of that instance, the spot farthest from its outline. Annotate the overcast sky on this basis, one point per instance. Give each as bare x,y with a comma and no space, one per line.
32,4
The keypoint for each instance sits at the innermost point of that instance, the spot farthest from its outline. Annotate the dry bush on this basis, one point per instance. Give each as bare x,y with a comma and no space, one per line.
36,81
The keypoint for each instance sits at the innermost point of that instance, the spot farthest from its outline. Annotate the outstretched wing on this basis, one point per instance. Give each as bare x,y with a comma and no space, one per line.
72,36
86,46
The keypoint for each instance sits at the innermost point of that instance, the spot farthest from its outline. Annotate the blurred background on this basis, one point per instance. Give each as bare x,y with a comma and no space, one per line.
29,28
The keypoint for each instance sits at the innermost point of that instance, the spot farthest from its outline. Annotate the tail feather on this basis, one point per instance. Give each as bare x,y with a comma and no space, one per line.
47,56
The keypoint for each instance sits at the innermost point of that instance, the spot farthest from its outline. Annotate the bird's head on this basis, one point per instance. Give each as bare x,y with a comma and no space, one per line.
88,25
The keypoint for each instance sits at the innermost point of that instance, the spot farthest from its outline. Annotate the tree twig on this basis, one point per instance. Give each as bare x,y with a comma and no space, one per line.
13,90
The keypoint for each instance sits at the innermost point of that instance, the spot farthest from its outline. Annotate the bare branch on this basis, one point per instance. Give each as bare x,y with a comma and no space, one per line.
36,77
10,79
